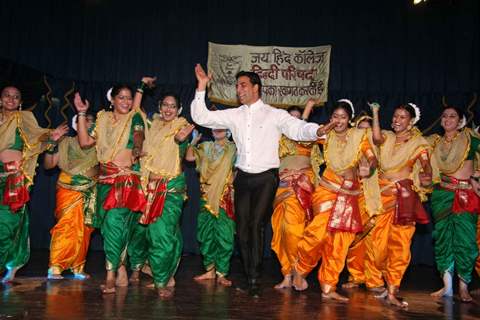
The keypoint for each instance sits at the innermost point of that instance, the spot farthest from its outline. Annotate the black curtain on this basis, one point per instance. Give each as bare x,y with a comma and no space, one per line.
387,51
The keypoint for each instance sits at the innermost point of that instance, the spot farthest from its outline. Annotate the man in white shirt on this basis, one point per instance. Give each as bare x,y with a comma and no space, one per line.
256,129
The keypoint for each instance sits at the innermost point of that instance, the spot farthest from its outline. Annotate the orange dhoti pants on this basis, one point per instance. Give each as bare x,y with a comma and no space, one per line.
387,246
357,251
70,236
320,243
288,224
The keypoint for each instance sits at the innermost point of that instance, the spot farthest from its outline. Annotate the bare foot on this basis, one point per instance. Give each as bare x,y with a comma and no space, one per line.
377,289
151,285
444,292
209,275
135,277
463,291
165,293
475,292
81,276
299,282
381,294
286,282
122,277
350,285
108,288
147,270
171,282
334,296
221,280
10,275
54,276
392,300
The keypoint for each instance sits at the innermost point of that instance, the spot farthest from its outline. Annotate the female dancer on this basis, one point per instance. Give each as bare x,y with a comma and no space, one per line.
216,225
118,136
22,140
405,176
299,168
76,199
164,184
335,202
454,202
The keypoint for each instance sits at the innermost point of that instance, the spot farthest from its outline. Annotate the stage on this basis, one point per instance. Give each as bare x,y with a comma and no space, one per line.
31,296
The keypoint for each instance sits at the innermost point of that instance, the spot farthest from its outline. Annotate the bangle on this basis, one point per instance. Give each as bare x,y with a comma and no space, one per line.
53,147
142,87
82,114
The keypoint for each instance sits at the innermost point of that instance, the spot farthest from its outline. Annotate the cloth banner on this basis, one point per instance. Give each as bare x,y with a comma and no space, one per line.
290,76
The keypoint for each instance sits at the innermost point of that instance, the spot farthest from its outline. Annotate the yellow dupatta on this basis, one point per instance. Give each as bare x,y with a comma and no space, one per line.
215,169
34,139
394,157
73,159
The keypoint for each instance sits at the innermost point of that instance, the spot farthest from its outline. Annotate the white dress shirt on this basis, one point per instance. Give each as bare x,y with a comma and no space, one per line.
256,130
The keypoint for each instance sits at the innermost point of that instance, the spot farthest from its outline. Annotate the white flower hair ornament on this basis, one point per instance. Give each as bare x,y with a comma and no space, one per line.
74,122
109,95
418,114
350,104
462,123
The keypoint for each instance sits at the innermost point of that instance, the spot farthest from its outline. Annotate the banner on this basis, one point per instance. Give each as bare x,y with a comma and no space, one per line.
290,76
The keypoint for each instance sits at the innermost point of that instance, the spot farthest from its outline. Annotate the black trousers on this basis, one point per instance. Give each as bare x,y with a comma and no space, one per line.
254,195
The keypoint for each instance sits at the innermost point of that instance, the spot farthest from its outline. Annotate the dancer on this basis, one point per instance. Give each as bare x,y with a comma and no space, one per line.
216,224
405,177
22,140
256,128
454,203
337,216
164,184
118,136
76,200
299,169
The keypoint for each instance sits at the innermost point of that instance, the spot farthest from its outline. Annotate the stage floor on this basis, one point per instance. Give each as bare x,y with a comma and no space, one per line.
31,296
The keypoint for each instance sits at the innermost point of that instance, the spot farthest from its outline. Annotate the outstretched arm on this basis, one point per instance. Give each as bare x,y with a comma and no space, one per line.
84,138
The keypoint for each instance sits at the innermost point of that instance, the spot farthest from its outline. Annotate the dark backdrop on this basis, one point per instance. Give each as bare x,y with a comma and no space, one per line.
386,51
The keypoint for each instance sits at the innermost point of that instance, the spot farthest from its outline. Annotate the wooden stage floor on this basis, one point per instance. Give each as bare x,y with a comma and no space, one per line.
31,296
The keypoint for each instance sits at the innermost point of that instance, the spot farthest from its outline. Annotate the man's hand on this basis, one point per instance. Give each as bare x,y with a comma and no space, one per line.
202,77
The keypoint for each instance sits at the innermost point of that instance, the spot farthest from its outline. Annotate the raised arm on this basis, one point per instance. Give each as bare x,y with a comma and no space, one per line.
198,109
84,139
51,156
147,82
300,130
377,136
308,108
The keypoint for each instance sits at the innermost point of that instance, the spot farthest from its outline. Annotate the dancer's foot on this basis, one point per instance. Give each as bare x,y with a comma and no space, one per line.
108,287
147,270
221,280
165,293
475,292
171,282
381,294
463,291
444,292
286,282
350,285
333,295
81,276
122,277
10,275
209,275
377,289
54,276
135,277
392,300
299,282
